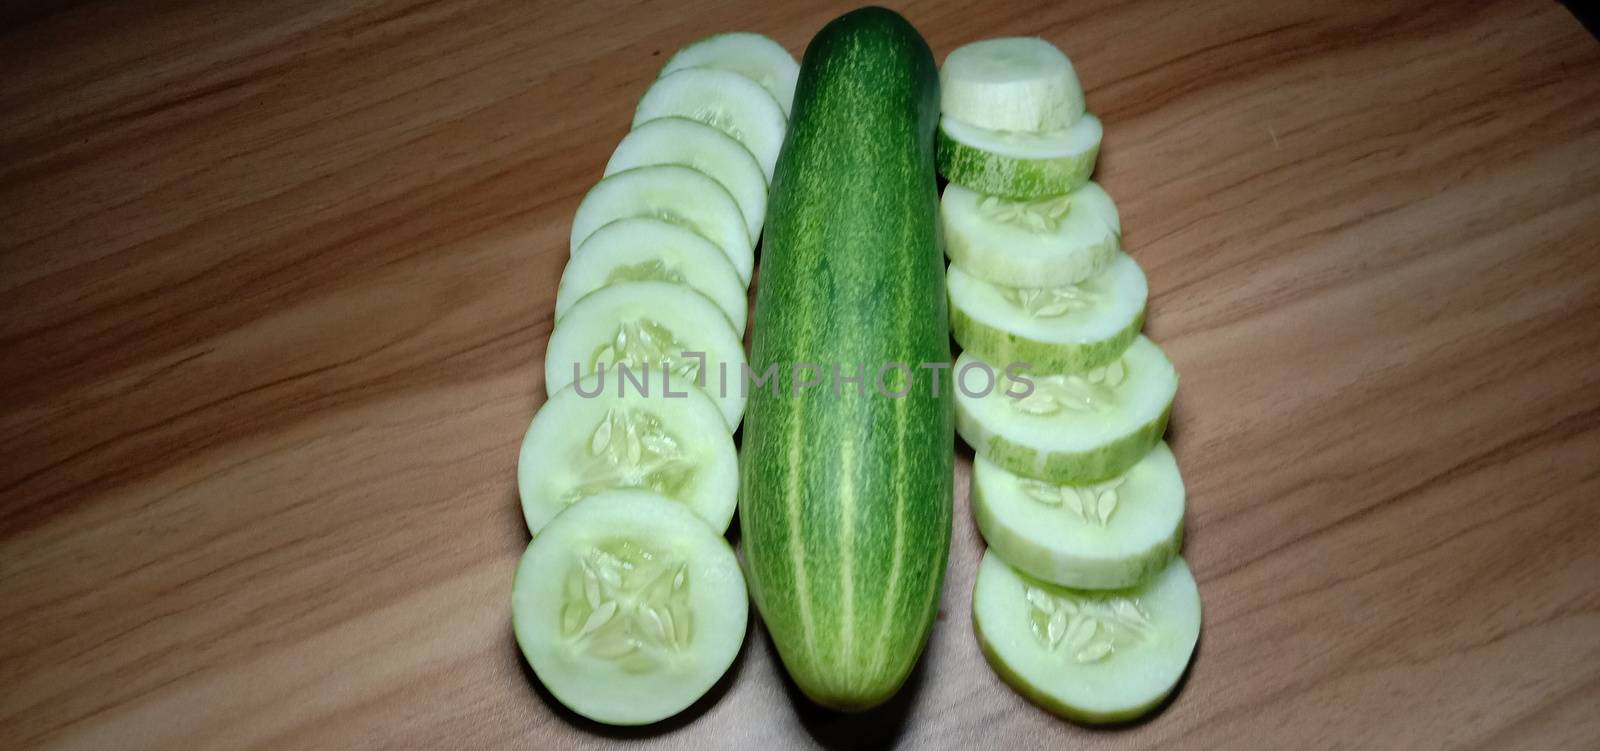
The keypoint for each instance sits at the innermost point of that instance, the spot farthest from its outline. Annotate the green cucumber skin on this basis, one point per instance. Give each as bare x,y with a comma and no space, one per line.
1067,467
845,501
996,345
1011,177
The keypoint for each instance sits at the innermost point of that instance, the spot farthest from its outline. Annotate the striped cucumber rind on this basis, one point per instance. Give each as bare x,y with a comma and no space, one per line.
992,239
1057,330
1072,429
1104,536
845,502
1019,165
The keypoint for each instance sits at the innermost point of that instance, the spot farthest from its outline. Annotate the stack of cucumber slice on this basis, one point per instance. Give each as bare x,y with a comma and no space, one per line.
629,603
1081,602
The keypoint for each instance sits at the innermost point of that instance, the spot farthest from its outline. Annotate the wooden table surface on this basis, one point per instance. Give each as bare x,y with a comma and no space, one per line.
277,278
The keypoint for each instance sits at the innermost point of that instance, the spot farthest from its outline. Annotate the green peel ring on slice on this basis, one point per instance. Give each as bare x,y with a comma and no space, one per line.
1064,329
628,607
1108,535
1048,243
578,446
1072,429
1023,166
1089,656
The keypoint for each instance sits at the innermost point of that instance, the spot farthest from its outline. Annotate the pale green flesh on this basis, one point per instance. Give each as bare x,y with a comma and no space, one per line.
628,607
1108,535
1019,165
679,140
1015,83
1090,656
580,446
641,249
1058,329
672,193
724,100
1047,243
649,324
751,55
1077,428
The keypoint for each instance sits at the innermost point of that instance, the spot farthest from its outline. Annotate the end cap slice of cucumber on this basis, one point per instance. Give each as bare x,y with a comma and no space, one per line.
678,446
628,607
1070,328
1108,535
1093,657
1011,83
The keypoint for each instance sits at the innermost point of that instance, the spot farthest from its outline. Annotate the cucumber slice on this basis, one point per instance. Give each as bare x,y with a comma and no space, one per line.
751,55
1090,656
726,101
673,193
1109,535
1064,329
1011,83
1049,243
641,249
579,446
679,140
629,607
655,325
1074,429
1019,165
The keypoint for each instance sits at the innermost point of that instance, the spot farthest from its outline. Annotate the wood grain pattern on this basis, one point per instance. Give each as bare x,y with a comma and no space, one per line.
276,280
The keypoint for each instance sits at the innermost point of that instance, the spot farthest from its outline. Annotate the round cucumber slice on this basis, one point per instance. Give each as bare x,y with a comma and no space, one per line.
673,193
679,140
754,56
641,249
1048,243
1018,165
648,326
1076,429
1090,656
1109,535
579,446
726,101
1010,83
629,607
1064,329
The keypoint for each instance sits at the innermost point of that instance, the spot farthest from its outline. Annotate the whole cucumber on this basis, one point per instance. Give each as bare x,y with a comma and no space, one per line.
845,488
